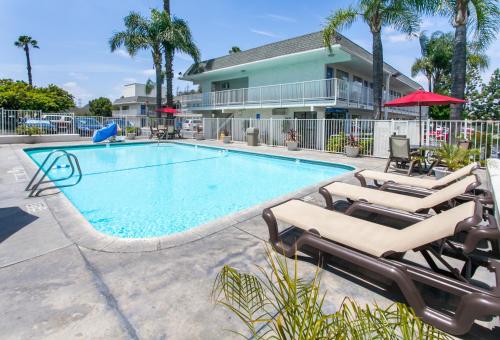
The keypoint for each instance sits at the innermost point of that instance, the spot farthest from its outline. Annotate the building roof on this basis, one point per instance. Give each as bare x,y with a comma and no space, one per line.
307,42
134,100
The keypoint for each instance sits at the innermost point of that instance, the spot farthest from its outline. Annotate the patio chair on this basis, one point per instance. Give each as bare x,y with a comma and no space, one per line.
402,206
399,149
395,181
170,133
379,250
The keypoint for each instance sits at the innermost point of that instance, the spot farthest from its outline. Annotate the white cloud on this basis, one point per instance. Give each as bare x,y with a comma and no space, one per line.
265,33
149,72
78,92
396,38
122,53
389,29
280,18
78,75
421,79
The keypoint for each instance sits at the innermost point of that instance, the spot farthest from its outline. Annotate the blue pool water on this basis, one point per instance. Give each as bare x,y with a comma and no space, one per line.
148,190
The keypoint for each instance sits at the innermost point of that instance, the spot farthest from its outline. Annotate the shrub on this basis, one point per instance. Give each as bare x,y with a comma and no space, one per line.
28,130
280,305
132,129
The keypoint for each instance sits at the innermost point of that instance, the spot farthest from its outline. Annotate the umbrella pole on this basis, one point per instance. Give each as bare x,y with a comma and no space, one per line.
419,126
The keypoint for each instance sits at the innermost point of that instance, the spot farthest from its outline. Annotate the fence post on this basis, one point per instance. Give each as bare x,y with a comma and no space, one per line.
271,142
2,117
217,131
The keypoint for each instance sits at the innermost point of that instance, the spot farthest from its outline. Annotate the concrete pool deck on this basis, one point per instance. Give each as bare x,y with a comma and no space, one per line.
56,286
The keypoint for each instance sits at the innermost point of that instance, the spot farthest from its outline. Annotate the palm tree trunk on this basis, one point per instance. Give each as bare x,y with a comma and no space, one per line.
458,69
378,75
169,68
429,81
158,89
28,65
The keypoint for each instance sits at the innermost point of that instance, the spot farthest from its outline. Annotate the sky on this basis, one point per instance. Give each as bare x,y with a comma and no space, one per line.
74,51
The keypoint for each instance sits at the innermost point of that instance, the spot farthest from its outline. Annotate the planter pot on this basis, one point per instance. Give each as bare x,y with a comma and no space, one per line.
440,171
199,136
226,139
292,146
351,151
131,135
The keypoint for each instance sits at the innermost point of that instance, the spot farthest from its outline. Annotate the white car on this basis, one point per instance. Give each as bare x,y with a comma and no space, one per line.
191,124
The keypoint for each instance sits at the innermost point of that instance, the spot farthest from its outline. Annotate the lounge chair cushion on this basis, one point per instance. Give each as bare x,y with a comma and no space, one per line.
399,201
369,237
426,183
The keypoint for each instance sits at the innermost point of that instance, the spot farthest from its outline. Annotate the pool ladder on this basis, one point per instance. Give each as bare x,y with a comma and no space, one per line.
34,188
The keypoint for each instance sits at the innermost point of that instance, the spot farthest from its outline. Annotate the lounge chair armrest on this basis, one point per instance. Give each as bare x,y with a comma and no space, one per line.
474,236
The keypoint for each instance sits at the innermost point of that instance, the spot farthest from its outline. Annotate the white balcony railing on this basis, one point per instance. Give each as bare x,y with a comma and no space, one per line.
314,92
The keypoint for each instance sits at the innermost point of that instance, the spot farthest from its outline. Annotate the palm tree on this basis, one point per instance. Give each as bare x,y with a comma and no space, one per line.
376,14
436,59
24,42
177,38
234,49
482,17
143,34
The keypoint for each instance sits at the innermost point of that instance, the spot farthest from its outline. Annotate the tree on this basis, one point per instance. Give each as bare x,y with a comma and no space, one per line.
376,14
435,62
483,99
19,95
234,49
24,42
482,18
101,107
177,37
492,96
143,34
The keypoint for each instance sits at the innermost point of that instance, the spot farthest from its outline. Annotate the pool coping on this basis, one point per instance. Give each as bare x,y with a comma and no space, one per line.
76,227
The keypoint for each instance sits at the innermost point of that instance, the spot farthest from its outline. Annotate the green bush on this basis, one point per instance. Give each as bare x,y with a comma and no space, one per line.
28,130
132,129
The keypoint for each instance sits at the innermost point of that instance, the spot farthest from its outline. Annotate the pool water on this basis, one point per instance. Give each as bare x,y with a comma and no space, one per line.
150,190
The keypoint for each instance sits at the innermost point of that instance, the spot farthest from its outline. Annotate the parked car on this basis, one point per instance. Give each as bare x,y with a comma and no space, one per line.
45,126
191,124
63,123
85,126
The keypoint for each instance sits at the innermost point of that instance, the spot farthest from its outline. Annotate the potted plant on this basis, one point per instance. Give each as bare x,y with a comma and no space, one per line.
29,132
352,147
225,136
131,132
292,140
199,133
451,158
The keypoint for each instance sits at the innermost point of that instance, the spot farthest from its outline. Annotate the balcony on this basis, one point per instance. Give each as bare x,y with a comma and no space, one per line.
325,92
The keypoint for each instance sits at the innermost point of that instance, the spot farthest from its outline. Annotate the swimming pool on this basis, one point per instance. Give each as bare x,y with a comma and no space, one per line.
142,190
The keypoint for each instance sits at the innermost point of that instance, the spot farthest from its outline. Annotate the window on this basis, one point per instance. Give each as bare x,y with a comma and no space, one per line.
342,75
125,107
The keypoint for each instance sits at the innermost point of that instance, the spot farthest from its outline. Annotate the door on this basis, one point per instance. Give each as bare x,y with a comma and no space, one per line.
329,82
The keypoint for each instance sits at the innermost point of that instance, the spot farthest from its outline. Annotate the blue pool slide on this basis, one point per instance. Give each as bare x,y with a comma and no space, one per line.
106,132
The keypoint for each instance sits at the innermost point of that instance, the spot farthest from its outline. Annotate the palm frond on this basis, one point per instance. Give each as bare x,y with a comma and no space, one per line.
337,21
402,16
484,17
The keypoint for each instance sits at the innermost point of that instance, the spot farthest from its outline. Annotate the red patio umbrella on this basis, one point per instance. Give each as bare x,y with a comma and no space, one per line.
423,98
166,110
